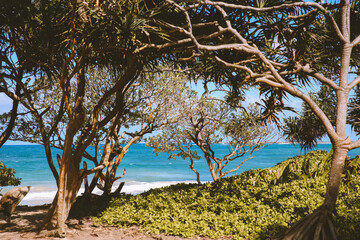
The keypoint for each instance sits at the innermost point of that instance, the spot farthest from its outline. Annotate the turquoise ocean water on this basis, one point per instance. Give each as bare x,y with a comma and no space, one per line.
144,170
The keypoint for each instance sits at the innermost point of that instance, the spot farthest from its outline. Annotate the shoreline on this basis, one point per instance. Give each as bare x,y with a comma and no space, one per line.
145,171
40,195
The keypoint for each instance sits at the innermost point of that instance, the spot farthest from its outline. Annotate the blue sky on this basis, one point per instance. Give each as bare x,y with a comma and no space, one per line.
252,96
5,103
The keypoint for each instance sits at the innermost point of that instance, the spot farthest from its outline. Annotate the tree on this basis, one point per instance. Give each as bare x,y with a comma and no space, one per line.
150,105
62,42
207,121
283,47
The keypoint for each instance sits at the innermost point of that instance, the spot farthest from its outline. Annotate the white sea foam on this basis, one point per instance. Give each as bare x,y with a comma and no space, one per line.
45,194
140,187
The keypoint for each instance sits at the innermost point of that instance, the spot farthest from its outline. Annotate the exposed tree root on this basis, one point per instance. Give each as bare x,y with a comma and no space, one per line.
316,226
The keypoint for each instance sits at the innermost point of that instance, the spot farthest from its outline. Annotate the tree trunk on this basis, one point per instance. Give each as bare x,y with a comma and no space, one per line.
114,163
212,170
334,182
319,224
191,166
69,184
92,185
109,176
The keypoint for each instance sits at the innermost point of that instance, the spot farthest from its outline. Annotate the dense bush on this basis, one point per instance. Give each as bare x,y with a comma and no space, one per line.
7,176
257,204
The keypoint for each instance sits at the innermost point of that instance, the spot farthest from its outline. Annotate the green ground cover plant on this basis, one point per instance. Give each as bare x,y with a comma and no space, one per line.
7,176
257,204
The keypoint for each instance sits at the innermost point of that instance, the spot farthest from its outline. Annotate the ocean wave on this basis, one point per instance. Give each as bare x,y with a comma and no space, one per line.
140,187
39,195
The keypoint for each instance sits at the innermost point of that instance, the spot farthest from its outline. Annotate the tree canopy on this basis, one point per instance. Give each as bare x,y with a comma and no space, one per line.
209,120
279,46
284,47
58,43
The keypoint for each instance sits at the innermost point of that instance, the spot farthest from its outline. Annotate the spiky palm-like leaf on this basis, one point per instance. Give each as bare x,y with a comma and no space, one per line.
306,128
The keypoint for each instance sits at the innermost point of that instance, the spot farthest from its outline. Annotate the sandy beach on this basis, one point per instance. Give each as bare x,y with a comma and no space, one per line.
27,220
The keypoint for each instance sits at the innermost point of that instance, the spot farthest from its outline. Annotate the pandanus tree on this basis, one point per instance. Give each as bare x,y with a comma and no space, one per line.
283,47
65,39
306,128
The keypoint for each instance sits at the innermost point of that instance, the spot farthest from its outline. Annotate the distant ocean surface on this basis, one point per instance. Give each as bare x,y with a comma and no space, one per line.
144,170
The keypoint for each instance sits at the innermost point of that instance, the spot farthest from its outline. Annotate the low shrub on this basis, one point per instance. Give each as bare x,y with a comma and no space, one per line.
252,205
7,176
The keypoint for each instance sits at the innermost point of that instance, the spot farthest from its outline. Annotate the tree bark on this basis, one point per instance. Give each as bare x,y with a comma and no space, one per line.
319,224
70,176
334,182
69,185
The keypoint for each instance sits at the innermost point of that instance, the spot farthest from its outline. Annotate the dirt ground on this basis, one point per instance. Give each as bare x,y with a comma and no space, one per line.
27,219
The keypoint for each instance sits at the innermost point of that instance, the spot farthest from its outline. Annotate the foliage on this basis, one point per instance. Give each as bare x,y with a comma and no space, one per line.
58,44
306,128
252,205
148,105
314,164
286,48
208,120
7,176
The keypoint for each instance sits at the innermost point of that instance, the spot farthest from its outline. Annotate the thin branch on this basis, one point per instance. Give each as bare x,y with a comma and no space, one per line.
301,16
356,41
326,12
270,82
298,93
14,113
117,178
354,82
355,144
244,68
229,26
318,76
236,168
